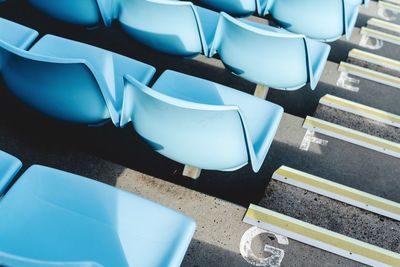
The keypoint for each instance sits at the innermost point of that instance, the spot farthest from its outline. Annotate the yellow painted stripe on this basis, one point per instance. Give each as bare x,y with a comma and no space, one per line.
354,69
397,2
375,59
384,24
322,235
339,189
352,134
381,35
359,108
390,6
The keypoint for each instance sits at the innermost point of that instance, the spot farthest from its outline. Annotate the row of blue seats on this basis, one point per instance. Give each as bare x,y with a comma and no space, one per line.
264,7
306,16
225,129
53,218
170,17
259,53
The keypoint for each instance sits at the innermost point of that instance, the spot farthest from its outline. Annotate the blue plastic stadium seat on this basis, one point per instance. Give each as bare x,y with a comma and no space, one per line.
82,12
54,218
71,81
173,27
325,20
16,35
233,7
9,166
267,55
201,123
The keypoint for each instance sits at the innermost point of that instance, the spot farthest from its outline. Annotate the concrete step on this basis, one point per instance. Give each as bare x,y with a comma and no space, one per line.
358,123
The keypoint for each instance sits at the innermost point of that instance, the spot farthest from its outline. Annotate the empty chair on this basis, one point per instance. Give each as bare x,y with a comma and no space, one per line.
325,21
201,123
69,80
267,55
173,27
81,12
233,7
54,218
9,166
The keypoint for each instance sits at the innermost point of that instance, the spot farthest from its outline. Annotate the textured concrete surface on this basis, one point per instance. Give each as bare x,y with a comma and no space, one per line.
219,222
305,101
339,161
218,200
372,12
374,67
385,30
358,123
332,215
343,45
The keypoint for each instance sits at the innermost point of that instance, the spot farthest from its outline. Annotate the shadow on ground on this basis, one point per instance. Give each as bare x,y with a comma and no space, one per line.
38,139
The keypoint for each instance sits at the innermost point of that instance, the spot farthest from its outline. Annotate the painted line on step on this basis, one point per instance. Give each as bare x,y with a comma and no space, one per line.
384,25
396,2
369,74
375,59
390,38
361,110
338,192
353,136
390,6
320,237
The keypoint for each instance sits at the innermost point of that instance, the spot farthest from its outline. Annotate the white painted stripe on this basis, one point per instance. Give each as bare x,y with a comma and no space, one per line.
384,25
353,136
320,237
396,2
361,110
338,192
375,59
390,6
372,75
276,254
390,38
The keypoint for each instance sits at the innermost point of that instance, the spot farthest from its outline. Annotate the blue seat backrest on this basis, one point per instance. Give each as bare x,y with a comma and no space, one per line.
16,35
66,89
177,127
262,55
233,7
7,259
9,166
350,15
170,26
316,19
82,12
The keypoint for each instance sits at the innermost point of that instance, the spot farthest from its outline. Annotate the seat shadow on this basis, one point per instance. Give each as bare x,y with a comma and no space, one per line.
362,20
302,102
35,138
201,253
